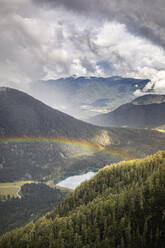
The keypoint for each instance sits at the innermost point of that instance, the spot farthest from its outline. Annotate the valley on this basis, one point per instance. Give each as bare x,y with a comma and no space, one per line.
45,154
40,143
82,124
84,97
12,189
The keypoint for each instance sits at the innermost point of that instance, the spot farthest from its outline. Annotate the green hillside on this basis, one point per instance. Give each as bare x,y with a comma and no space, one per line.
123,205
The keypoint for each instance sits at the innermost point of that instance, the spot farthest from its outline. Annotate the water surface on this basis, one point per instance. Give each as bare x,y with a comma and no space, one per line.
73,181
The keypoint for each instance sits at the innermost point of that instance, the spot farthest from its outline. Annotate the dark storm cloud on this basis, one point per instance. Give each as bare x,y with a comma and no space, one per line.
142,17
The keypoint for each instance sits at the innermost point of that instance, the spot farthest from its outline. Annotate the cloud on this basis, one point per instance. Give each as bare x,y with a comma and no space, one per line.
18,44
141,17
44,45
95,38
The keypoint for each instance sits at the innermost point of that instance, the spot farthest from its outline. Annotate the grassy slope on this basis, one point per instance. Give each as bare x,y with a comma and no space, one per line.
12,189
121,206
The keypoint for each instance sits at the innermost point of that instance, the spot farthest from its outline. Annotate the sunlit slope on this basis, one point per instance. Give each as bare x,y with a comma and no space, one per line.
39,142
121,206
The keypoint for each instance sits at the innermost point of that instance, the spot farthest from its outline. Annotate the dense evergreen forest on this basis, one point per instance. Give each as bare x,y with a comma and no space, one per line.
36,200
122,206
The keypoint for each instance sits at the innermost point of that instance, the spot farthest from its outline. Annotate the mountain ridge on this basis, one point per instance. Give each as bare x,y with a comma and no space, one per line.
149,99
22,116
143,112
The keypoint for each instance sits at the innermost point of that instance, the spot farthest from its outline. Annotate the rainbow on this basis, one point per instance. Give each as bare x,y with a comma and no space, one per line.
66,141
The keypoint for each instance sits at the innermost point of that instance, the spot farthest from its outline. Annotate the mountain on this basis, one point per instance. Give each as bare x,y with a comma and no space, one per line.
144,112
22,115
40,143
84,97
121,206
149,99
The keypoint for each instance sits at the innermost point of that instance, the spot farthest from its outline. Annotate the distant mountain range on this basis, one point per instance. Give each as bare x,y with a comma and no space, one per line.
147,111
84,97
27,151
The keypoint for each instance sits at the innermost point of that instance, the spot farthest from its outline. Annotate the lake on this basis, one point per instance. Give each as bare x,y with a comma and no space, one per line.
73,181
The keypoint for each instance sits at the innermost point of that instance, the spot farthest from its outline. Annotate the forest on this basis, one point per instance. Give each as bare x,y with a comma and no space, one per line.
36,199
121,206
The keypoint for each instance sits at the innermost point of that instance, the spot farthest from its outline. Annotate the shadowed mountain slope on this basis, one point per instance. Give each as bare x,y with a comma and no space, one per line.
24,121
144,112
22,115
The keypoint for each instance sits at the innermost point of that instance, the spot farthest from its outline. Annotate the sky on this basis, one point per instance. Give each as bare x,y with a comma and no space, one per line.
49,39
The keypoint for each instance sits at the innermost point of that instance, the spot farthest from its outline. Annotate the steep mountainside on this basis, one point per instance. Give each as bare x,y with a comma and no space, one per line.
143,112
83,97
22,115
121,206
38,142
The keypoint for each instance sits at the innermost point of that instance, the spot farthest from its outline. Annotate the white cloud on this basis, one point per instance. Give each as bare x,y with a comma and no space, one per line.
41,43
141,17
